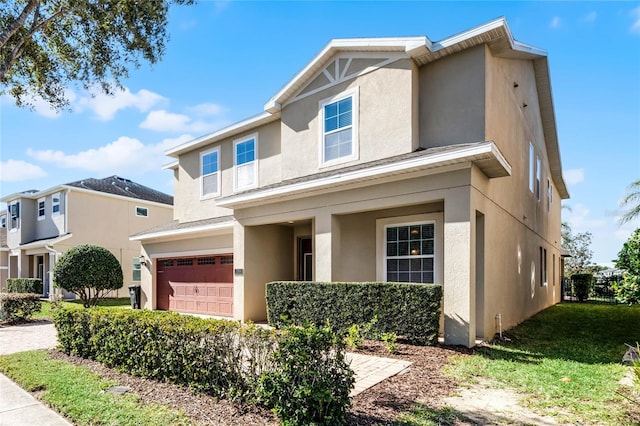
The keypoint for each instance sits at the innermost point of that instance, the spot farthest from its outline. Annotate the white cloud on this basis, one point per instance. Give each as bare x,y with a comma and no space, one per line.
40,106
635,14
165,121
580,220
555,22
18,170
573,176
105,106
124,156
590,17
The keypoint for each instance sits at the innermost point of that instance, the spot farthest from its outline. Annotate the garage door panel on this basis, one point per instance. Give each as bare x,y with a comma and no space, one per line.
196,285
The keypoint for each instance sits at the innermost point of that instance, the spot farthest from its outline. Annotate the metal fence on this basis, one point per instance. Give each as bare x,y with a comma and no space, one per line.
602,291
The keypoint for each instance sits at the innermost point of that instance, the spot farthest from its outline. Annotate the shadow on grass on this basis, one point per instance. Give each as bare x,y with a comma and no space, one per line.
425,415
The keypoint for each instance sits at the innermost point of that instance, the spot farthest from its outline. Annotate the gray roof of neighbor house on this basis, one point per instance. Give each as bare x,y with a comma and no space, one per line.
125,187
114,185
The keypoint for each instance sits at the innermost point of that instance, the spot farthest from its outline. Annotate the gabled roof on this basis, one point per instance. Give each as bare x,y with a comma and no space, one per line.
114,185
496,34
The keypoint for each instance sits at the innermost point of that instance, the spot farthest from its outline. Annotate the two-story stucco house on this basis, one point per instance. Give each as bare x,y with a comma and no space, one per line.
384,159
41,225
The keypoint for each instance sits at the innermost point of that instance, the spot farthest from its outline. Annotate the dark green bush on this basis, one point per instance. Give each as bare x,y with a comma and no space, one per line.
222,358
18,306
310,380
582,285
89,271
411,311
24,285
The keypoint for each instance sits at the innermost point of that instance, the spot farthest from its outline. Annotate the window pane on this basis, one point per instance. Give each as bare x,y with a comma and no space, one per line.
427,231
331,110
427,247
392,249
330,124
210,184
245,152
210,163
403,233
415,277
392,265
344,120
245,175
403,277
392,234
403,265
416,264
403,248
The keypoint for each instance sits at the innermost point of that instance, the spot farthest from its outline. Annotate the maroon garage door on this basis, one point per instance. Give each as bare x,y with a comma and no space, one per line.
201,285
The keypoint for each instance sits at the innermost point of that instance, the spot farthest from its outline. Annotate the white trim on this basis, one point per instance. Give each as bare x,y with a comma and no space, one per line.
226,132
255,162
532,168
42,200
405,166
142,215
184,231
191,253
218,172
354,94
43,243
171,166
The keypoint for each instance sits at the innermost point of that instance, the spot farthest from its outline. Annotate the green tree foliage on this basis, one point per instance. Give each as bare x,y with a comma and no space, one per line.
45,45
579,248
628,291
88,271
631,200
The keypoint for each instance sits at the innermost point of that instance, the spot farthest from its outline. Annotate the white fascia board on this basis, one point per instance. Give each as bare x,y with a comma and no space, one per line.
184,231
400,167
239,127
395,44
42,243
473,32
171,166
118,197
32,195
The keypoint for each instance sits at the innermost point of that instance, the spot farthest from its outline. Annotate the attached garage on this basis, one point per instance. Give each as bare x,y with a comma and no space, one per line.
200,285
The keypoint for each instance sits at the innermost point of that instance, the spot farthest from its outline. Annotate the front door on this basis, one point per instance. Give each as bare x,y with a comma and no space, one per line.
40,273
305,259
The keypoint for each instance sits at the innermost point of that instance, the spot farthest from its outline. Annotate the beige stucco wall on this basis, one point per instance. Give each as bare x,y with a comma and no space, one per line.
452,99
190,206
386,125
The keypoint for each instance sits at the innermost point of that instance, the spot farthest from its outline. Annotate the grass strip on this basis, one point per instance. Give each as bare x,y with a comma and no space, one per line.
78,394
567,358
115,303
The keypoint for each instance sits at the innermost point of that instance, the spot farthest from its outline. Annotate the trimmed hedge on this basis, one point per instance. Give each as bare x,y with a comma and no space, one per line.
582,285
24,285
281,369
18,306
411,311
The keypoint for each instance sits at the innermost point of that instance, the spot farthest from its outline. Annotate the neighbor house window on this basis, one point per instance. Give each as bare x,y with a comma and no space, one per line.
136,270
3,222
246,167
339,128
142,211
210,172
14,214
532,168
41,211
549,195
410,252
55,203
543,266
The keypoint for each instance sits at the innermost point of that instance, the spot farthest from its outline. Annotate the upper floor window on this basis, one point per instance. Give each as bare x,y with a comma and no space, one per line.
210,172
246,168
532,168
538,175
55,203
142,211
14,214
339,128
549,195
41,211
3,222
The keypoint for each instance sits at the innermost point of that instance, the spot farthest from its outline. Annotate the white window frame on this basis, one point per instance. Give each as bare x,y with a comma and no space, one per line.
43,209
354,94
549,195
14,221
136,266
381,235
146,209
532,168
55,204
217,173
254,163
538,178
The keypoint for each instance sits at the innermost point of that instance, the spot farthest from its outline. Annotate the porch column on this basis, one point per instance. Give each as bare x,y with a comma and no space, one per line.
49,274
459,271
238,276
327,245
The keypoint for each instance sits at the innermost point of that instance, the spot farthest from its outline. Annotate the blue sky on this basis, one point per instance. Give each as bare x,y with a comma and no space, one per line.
226,59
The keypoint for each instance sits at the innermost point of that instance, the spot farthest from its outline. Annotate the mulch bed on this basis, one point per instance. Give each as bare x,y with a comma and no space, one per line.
381,404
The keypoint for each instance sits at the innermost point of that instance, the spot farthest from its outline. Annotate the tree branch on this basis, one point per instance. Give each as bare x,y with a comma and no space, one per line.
11,30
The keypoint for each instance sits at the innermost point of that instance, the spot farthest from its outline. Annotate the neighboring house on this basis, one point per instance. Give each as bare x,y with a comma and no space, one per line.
42,225
384,159
4,251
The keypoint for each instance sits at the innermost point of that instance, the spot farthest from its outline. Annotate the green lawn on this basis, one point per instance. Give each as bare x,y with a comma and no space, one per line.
78,394
117,303
567,358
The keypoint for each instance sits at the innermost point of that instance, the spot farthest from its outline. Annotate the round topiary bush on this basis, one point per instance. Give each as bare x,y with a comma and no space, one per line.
89,271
